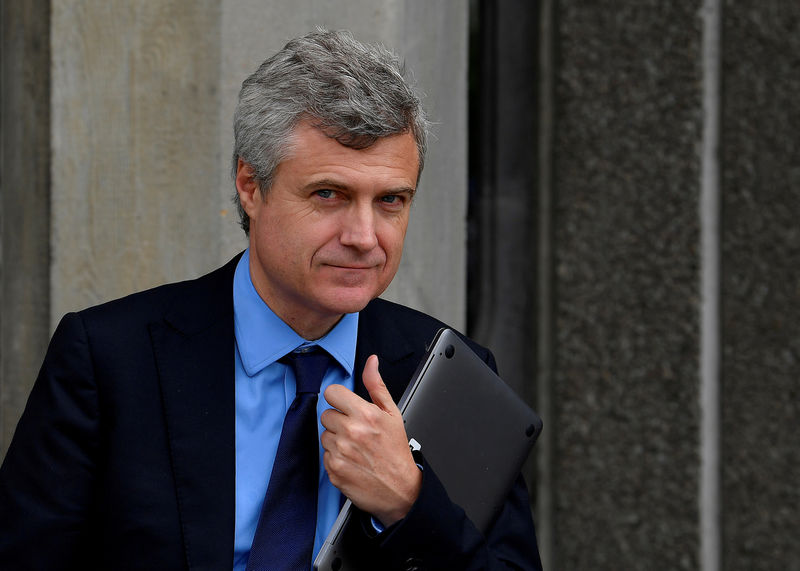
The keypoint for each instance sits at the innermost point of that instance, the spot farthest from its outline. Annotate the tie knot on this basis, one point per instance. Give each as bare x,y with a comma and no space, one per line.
309,368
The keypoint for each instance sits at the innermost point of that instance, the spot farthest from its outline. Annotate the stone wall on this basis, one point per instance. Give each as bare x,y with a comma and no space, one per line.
24,203
642,290
760,179
626,174
675,289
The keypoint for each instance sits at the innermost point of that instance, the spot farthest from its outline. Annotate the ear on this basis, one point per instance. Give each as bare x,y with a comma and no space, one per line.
247,187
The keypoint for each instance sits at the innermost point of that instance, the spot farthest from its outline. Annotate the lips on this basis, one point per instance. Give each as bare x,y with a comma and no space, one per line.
350,267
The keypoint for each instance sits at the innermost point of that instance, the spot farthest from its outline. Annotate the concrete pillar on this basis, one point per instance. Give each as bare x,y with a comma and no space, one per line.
25,210
135,137
760,285
625,417
673,386
504,308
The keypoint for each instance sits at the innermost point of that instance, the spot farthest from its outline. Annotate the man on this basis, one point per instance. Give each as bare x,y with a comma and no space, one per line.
156,434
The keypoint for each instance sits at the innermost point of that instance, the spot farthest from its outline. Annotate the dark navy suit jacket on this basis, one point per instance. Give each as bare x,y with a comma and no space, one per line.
124,457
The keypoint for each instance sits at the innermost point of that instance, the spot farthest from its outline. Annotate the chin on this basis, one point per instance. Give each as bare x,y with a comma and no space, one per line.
349,301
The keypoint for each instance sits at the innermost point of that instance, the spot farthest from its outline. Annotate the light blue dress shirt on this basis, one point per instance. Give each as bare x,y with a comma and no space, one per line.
264,391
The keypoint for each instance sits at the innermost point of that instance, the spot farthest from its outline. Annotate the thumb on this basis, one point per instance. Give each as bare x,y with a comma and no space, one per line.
375,386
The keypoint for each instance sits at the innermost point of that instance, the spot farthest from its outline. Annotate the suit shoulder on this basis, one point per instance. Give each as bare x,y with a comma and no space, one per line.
143,303
154,303
384,309
414,323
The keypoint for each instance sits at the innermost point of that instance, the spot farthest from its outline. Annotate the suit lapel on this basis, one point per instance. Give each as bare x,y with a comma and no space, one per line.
398,354
194,348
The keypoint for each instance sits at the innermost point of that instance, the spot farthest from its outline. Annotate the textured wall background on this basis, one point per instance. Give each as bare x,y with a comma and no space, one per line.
24,203
625,385
761,285
134,140
625,190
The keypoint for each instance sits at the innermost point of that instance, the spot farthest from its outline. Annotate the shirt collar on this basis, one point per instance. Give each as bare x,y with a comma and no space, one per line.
262,337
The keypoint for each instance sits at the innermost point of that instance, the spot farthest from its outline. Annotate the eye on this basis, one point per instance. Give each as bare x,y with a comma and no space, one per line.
324,193
393,199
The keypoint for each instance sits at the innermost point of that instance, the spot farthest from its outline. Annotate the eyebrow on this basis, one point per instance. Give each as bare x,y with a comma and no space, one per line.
335,185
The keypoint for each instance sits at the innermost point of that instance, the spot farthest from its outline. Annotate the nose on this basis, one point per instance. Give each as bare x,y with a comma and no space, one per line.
358,228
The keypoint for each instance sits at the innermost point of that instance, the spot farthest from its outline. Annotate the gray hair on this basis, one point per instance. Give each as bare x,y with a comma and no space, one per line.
353,92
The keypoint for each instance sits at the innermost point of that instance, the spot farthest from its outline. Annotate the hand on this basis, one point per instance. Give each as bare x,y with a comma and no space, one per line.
366,449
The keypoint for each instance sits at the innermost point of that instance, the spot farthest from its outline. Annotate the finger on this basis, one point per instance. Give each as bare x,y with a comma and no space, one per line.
342,398
327,439
332,420
375,386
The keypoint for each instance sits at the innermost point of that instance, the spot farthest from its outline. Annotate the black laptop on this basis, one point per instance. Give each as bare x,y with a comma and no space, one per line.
474,432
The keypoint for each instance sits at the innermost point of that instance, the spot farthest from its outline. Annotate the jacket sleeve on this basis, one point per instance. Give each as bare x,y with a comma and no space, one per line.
436,534
46,479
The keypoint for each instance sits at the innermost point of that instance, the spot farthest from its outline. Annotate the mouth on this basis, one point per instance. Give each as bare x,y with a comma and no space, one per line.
355,266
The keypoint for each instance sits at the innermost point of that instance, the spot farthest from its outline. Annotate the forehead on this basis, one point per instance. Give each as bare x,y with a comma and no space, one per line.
312,152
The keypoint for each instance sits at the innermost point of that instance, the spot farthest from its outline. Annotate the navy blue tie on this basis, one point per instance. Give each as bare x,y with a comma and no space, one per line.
284,537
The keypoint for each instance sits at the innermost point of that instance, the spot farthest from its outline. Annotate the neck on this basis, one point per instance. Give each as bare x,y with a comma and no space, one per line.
310,329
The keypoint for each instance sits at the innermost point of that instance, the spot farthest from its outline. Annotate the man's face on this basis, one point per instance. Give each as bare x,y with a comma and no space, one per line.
329,235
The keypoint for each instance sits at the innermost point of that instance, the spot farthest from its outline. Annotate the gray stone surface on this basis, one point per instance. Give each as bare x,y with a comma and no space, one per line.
761,285
134,137
626,187
505,318
25,209
503,211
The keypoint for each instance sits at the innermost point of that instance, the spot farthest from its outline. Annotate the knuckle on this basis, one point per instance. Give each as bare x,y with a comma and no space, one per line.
325,439
334,465
374,416
352,431
345,449
361,435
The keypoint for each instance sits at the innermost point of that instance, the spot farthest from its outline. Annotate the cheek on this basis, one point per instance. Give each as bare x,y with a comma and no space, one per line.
316,239
391,238
278,248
